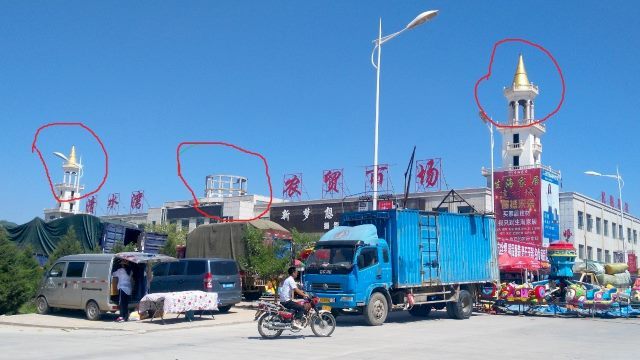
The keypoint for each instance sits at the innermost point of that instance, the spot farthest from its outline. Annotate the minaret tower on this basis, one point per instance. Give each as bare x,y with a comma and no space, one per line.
69,188
521,147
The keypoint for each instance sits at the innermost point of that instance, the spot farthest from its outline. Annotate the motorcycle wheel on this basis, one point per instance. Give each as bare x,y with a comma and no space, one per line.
262,326
323,324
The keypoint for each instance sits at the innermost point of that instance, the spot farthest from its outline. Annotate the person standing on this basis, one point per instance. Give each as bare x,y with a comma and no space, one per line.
124,289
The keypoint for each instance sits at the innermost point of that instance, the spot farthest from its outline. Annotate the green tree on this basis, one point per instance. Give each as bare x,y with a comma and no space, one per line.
19,275
68,245
301,241
263,258
118,248
174,237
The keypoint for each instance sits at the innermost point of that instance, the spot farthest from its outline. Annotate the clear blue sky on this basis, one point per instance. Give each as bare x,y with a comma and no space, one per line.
293,81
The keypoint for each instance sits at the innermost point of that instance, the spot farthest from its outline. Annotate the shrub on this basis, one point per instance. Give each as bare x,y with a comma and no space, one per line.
19,275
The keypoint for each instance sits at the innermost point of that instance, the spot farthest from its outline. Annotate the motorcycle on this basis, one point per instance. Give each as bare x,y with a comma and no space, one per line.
273,319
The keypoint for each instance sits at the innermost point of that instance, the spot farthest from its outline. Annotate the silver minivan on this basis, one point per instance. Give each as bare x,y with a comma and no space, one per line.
83,281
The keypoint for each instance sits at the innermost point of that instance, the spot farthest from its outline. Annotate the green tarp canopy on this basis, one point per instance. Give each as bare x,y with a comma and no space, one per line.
43,236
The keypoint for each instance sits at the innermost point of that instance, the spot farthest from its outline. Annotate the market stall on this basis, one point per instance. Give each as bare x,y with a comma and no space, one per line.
156,305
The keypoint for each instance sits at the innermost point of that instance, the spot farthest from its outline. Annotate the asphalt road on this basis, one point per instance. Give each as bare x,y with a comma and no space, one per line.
404,337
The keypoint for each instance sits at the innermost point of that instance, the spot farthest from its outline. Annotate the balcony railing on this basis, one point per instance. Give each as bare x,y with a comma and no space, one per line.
537,147
514,146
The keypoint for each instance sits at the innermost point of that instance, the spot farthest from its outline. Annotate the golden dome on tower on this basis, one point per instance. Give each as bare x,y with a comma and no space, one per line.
520,79
72,157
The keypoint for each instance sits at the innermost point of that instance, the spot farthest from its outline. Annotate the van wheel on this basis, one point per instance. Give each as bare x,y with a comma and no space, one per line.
93,311
224,309
461,309
252,296
42,306
375,313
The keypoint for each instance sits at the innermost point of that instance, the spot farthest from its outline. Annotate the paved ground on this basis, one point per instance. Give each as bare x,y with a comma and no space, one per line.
404,337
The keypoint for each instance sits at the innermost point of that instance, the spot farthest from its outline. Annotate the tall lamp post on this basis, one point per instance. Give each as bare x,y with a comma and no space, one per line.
490,127
620,185
419,20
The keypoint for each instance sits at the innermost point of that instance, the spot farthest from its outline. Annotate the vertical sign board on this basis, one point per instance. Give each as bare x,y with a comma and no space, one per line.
518,213
550,207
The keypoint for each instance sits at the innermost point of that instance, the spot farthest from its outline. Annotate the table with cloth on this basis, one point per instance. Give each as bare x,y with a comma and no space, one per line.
182,302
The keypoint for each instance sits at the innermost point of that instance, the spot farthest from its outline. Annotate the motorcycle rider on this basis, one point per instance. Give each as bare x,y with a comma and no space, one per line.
287,289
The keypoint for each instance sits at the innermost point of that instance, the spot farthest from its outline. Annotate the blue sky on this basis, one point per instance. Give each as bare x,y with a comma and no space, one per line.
293,81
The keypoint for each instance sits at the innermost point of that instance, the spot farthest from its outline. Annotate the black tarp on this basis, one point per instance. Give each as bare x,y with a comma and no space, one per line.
43,236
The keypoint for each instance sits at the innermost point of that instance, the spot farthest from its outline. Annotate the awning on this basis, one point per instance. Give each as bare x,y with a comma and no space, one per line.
139,258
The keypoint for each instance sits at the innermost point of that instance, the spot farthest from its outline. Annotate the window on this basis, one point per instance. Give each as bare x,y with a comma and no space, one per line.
629,234
465,209
599,252
581,251
176,268
95,270
160,269
184,223
635,236
606,228
614,231
385,255
370,256
199,221
56,270
598,225
75,269
620,232
516,138
196,267
516,161
580,220
589,223
441,210
153,223
607,256
224,268
589,253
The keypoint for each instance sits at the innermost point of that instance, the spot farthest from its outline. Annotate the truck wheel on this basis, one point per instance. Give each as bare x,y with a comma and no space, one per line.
375,313
42,306
461,309
420,310
93,311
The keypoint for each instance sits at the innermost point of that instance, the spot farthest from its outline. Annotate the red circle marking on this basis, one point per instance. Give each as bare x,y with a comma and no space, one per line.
34,147
483,113
193,195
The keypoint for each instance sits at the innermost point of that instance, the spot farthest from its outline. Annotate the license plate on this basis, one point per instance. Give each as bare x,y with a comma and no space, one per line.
326,300
325,307
227,285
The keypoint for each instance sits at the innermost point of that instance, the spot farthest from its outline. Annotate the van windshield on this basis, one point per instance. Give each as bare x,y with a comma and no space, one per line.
224,268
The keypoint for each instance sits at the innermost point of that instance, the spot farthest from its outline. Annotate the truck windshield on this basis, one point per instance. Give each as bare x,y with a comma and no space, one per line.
333,256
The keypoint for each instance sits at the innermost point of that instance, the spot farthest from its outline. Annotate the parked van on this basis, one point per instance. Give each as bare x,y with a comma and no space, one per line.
83,281
212,275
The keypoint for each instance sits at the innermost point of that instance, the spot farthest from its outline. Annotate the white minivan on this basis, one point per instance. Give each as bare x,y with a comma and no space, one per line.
83,281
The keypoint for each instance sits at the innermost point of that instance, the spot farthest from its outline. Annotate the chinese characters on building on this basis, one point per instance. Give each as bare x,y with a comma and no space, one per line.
90,206
292,186
332,183
137,198
428,174
113,203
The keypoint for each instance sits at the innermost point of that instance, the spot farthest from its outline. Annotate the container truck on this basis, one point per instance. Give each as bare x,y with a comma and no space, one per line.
379,261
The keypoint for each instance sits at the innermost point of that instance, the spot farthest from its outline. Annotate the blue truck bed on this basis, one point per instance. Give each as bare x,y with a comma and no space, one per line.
429,248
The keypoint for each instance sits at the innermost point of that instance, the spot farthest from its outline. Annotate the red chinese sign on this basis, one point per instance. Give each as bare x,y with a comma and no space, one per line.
518,213
292,186
428,174
383,178
137,198
332,182
113,203
90,206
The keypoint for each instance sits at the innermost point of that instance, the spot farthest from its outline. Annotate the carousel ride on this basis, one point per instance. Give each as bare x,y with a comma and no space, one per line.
560,294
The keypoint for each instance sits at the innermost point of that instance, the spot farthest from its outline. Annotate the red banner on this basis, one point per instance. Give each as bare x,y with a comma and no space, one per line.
518,213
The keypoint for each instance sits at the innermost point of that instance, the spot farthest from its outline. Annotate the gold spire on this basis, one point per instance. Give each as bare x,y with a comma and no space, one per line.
72,158
520,78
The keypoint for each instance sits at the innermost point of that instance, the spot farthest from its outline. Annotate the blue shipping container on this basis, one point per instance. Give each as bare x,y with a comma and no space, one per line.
431,248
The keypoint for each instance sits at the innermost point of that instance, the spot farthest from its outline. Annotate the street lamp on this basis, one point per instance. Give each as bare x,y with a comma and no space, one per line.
620,185
490,127
419,20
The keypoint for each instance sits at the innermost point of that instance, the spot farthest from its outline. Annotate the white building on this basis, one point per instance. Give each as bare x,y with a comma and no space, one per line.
596,230
69,188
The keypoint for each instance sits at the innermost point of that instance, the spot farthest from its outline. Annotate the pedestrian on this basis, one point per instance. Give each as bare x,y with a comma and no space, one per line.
124,289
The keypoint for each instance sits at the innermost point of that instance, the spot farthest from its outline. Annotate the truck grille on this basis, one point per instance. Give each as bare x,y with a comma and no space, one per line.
325,287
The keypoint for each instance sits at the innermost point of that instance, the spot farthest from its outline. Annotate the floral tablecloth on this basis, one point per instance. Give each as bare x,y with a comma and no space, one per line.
179,302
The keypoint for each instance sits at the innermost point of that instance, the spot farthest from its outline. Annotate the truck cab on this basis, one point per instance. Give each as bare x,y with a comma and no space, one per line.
347,265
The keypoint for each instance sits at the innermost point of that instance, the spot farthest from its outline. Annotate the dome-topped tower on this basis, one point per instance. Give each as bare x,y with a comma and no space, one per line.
69,188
